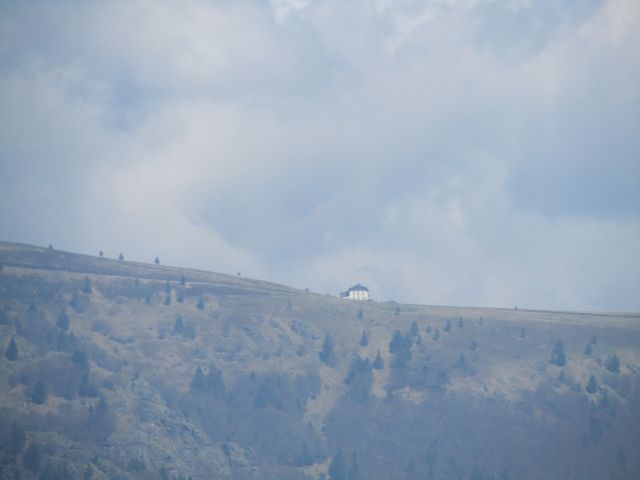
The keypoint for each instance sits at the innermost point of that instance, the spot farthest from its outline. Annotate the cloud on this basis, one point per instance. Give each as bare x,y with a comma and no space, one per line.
476,153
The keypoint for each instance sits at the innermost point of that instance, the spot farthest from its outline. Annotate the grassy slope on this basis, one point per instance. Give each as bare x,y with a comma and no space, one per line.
246,326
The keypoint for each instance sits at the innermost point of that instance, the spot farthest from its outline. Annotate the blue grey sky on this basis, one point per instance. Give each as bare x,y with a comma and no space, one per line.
470,152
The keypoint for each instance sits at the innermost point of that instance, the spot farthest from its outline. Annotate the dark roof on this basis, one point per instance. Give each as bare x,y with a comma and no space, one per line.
358,288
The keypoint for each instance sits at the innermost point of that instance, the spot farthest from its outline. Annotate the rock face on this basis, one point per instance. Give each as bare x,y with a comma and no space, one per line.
228,382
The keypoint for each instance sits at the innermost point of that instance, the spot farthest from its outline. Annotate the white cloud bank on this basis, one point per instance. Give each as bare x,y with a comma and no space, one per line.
469,153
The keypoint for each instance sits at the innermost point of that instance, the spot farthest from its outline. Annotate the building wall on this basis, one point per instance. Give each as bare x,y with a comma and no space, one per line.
359,295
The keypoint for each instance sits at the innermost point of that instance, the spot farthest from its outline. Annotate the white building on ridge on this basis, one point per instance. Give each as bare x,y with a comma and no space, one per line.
357,292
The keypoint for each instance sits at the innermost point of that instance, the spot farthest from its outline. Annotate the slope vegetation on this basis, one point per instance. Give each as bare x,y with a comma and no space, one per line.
120,370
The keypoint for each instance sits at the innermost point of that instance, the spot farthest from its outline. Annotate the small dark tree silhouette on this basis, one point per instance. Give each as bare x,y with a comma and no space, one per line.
378,363
183,281
157,261
39,393
360,314
198,382
121,256
558,356
428,329
86,286
364,339
447,326
327,355
101,254
592,386
200,304
12,351
414,329
588,350
613,363
180,296
63,320
473,345
167,299
436,335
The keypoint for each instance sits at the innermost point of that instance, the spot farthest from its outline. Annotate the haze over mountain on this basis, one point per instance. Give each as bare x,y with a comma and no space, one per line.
124,370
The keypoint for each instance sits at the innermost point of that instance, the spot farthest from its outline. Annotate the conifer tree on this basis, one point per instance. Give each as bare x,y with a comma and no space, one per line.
378,363
613,363
436,335
63,320
12,351
364,339
414,329
327,355
86,286
183,280
558,356
200,304
39,393
588,350
180,296
198,382
447,326
121,256
592,386
157,261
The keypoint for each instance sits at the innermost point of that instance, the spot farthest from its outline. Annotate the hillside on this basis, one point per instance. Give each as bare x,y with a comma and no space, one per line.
120,370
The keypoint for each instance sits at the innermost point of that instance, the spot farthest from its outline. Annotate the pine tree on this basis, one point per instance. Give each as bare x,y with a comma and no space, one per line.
101,254
588,350
364,339
157,261
360,314
327,355
167,299
178,326
39,393
12,351
447,326
378,363
558,356
414,329
436,335
200,304
180,297
473,345
183,280
86,286
63,320
198,382
613,363
121,256
592,386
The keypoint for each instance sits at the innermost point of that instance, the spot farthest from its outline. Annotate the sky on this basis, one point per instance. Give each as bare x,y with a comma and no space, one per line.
471,152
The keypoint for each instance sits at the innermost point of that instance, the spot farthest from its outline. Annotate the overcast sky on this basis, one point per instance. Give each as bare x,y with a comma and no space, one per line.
470,152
